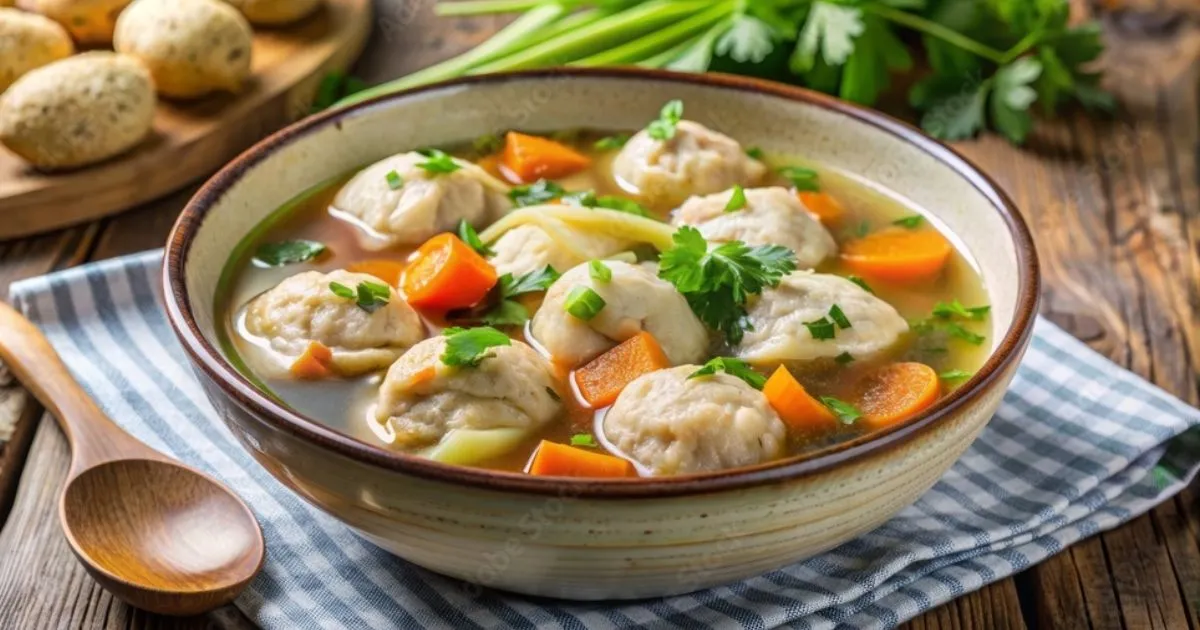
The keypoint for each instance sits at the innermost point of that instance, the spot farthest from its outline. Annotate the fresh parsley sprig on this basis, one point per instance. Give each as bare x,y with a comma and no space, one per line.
732,367
468,347
288,252
369,296
509,312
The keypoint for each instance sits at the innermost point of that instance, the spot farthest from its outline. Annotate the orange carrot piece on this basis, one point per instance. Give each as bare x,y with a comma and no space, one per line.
895,392
898,255
796,407
314,364
387,270
559,460
827,209
534,157
446,273
603,378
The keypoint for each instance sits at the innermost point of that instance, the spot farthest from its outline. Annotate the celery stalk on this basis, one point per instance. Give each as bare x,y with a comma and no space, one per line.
481,7
655,42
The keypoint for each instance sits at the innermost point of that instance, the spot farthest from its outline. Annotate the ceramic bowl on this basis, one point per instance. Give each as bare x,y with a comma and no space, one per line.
616,538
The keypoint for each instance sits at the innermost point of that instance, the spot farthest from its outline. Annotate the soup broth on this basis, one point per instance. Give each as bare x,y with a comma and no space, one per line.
948,328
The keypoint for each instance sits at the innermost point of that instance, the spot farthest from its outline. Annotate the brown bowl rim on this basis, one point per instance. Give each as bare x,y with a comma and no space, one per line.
238,388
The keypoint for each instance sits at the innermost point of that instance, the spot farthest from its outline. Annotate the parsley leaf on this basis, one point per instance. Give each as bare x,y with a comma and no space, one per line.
584,439
862,283
469,236
829,30
438,162
732,367
509,312
748,40
506,313
467,347
737,199
877,53
956,309
1012,96
539,192
956,115
369,296
599,271
821,329
611,143
804,179
911,222
288,252
668,118
845,412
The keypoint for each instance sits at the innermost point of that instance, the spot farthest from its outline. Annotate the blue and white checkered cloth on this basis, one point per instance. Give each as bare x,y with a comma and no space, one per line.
1079,446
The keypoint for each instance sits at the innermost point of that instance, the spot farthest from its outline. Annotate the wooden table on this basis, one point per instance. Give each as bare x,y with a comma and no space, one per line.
1114,205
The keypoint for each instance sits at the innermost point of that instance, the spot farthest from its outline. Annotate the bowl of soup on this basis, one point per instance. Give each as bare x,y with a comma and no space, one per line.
602,334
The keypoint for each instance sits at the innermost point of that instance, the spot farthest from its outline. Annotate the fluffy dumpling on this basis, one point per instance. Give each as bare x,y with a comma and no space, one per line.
635,300
422,398
530,247
303,309
771,216
779,315
695,161
672,424
423,203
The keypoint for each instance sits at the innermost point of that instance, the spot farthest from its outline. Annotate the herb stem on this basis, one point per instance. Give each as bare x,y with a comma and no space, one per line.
939,31
482,7
655,42
1029,41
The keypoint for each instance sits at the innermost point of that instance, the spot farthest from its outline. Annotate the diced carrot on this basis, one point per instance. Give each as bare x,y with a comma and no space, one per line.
387,270
796,407
896,392
603,378
898,255
827,209
533,157
559,460
446,273
422,376
314,364
491,164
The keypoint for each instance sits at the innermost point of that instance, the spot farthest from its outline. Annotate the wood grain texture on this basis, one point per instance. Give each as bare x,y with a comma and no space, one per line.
1115,206
191,138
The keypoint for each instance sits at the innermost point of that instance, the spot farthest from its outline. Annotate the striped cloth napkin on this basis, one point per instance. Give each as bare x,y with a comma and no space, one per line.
1079,446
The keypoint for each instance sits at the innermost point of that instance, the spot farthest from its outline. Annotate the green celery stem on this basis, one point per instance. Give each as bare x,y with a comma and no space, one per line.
929,27
655,42
481,7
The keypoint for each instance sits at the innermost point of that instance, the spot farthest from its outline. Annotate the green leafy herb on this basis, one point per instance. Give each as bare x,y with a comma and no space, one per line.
748,40
844,358
911,222
839,317
804,179
955,330
845,412
584,439
599,271
829,32
536,193
611,143
509,312
288,252
862,283
334,87
342,290
467,347
583,303
588,199
755,153
956,309
488,143
469,236
737,199
506,313
717,283
668,119
821,329
437,162
369,296
732,367
394,181
954,375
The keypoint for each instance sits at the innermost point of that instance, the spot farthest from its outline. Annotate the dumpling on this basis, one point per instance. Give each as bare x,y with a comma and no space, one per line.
424,203
695,161
779,315
635,300
530,247
422,399
303,309
29,41
771,216
672,424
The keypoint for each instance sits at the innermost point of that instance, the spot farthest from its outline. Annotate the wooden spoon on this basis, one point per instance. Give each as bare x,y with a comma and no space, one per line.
155,533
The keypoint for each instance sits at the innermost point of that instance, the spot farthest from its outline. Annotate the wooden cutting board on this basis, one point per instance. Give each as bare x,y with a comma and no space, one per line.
192,139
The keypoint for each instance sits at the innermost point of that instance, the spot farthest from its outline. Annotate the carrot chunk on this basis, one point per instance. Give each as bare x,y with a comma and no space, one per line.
533,157
559,460
314,364
898,255
827,209
798,409
446,273
896,392
387,270
603,378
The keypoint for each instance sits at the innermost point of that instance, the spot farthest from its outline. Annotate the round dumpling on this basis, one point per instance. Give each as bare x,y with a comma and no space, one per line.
303,309
422,398
695,161
635,300
779,315
672,424
420,204
275,12
192,47
771,216
88,21
530,247
29,41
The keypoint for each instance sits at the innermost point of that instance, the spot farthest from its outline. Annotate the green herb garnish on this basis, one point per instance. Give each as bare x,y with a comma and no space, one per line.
584,439
437,162
599,271
509,312
717,283
845,412
342,290
844,358
288,252
668,119
839,317
469,236
755,153
369,296
467,347
732,367
506,313
611,143
804,179
910,223
956,309
536,193
488,143
862,283
955,330
821,329
583,303
394,181
954,375
737,199
588,199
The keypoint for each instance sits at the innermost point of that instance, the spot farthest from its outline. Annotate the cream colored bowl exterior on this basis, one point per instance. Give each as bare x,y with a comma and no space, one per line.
567,543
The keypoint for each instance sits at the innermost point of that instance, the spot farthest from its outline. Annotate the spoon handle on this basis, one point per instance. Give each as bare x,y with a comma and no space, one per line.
94,437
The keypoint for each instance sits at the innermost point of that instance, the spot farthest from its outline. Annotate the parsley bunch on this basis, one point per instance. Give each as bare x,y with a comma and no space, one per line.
989,61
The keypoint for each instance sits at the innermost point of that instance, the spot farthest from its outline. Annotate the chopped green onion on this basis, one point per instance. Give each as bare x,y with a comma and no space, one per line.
369,296
821,329
394,181
583,439
536,193
839,317
845,412
599,271
956,309
438,162
862,283
956,330
737,199
469,236
954,375
732,367
611,143
804,179
911,223
583,303
668,119
342,290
